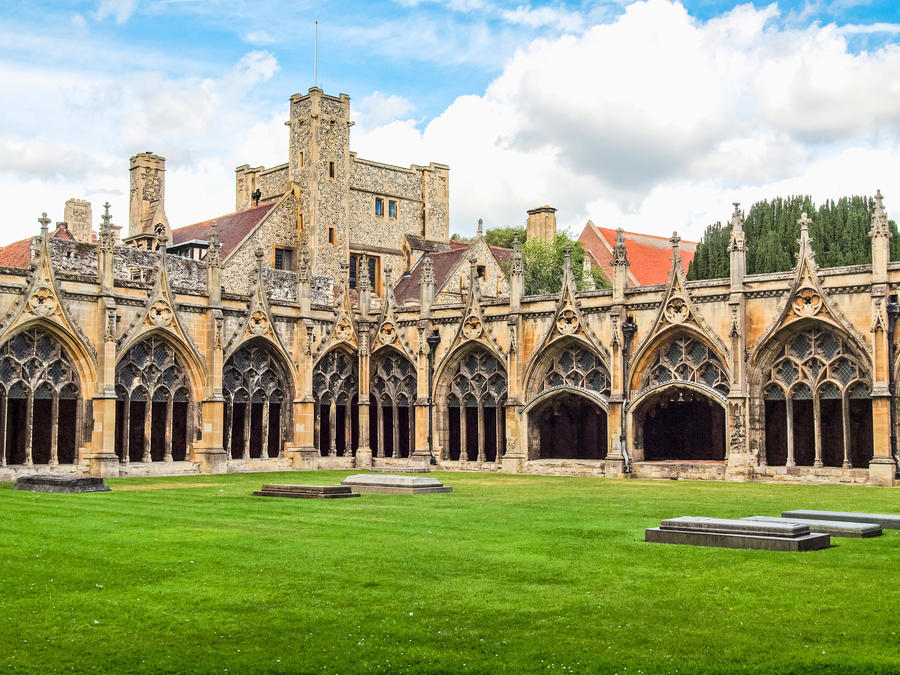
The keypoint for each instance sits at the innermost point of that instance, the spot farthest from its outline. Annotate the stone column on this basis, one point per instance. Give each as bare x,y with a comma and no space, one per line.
3,406
29,422
411,424
126,430
395,428
499,414
364,447
317,435
332,428
348,430
264,448
379,427
845,427
227,421
789,416
54,430
817,431
248,413
463,436
170,420
148,426
480,431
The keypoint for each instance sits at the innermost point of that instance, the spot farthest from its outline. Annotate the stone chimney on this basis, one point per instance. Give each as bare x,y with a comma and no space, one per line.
78,216
147,213
542,223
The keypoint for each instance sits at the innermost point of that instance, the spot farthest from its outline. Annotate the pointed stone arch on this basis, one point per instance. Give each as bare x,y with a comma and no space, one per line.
257,383
156,406
570,362
472,388
693,359
39,380
335,386
392,395
811,386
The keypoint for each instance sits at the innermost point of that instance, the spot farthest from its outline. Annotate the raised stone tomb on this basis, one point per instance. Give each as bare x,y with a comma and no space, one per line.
726,533
60,484
305,491
836,528
394,485
888,521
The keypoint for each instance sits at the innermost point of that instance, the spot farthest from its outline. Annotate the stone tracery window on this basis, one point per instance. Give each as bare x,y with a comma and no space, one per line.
154,404
688,360
817,402
255,386
393,393
578,367
476,399
335,385
38,383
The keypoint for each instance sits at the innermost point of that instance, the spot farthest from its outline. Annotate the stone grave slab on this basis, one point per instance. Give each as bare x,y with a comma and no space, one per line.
887,521
60,484
836,528
305,491
395,485
727,533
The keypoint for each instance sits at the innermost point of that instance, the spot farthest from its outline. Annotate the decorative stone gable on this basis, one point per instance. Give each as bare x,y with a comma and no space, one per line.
471,327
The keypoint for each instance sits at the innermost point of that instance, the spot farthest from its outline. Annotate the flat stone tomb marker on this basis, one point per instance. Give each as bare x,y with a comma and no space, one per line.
394,485
60,484
305,491
726,533
836,528
886,520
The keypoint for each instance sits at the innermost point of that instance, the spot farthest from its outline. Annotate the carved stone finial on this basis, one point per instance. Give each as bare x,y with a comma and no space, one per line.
567,251
106,237
620,252
427,271
214,246
259,253
480,225
362,274
516,264
45,223
303,269
804,223
472,259
387,277
737,229
880,225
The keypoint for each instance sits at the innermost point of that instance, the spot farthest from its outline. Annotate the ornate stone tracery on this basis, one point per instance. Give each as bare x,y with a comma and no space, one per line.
686,359
478,382
578,367
393,388
335,383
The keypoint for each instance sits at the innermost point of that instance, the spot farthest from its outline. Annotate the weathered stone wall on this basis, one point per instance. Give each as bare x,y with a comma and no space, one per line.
492,285
73,257
280,284
279,228
272,182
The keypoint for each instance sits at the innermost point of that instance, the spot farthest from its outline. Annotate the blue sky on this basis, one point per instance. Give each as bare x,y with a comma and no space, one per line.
653,115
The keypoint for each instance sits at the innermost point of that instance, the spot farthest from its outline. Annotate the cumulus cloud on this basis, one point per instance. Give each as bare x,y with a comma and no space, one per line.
658,121
538,17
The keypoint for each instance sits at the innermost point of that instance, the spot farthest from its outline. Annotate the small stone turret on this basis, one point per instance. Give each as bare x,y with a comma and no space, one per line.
147,213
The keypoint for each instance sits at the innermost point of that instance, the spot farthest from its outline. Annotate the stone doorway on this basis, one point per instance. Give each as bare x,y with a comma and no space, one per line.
567,426
681,424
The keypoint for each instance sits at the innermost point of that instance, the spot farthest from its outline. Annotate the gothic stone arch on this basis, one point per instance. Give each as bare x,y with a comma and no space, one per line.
336,392
38,381
257,387
393,395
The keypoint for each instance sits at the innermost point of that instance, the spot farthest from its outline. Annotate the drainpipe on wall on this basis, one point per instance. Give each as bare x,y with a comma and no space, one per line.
629,328
893,312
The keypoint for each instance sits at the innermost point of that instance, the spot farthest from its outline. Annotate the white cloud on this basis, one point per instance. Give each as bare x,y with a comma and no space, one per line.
260,37
378,109
538,17
120,10
657,121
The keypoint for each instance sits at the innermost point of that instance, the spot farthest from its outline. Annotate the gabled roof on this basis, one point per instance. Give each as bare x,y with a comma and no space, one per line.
650,256
444,263
233,228
18,254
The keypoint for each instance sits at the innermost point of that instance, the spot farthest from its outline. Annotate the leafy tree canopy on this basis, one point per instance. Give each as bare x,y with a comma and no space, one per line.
839,233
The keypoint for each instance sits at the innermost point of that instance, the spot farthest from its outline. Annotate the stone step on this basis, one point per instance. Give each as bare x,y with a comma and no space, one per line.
305,491
808,542
60,484
779,528
887,521
836,528
395,485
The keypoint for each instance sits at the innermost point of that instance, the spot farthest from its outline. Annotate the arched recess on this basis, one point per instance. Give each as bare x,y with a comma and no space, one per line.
393,397
678,412
336,391
256,383
471,393
39,383
155,402
567,393
812,390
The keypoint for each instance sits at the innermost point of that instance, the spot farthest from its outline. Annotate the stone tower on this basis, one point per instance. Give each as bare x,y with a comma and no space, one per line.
77,215
146,212
542,223
319,165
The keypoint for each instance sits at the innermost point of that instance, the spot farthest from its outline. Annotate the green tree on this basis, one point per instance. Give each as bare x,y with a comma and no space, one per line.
504,236
544,262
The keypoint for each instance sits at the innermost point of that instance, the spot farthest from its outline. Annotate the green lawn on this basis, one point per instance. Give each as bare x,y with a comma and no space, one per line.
515,573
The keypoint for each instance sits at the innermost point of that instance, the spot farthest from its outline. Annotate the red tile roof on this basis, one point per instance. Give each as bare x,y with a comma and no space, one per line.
233,228
18,254
650,256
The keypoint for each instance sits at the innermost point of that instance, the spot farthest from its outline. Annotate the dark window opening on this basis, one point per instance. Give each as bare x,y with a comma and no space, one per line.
284,259
481,270
392,209
379,206
330,235
331,169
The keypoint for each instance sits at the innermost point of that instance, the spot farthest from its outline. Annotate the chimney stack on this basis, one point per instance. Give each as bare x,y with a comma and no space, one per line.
78,216
542,223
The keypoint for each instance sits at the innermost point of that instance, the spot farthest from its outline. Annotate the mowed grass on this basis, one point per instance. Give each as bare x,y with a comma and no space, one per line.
507,573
